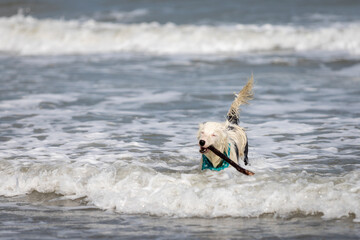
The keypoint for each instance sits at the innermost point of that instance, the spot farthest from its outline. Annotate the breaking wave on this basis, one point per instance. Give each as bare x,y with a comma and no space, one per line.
135,189
26,35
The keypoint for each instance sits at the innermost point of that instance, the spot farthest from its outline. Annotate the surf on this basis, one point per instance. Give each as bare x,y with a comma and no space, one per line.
134,189
27,35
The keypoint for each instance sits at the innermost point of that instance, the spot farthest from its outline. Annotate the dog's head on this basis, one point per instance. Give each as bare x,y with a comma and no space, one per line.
211,133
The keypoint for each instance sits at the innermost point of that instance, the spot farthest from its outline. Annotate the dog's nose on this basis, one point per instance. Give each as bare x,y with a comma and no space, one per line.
202,142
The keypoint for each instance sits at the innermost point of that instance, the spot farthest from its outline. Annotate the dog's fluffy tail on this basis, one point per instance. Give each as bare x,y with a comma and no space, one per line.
243,97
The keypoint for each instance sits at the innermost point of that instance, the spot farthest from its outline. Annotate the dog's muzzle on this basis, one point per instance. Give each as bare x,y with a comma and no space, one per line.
202,149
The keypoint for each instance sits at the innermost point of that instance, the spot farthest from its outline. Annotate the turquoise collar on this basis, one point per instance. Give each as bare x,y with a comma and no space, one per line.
206,164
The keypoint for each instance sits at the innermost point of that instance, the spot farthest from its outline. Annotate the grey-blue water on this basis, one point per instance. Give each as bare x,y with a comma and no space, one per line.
100,103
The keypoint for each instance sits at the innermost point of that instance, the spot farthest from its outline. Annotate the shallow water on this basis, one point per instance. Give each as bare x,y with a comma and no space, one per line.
43,219
99,108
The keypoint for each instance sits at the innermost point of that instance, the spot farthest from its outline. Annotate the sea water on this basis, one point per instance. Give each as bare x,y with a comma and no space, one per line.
100,103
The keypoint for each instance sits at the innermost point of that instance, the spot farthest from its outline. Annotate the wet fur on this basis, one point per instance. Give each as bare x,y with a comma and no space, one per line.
220,134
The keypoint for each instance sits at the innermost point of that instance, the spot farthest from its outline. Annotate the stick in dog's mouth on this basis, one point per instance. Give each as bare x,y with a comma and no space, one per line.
231,162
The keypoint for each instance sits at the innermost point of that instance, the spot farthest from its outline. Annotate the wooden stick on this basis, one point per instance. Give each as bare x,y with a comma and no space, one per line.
231,162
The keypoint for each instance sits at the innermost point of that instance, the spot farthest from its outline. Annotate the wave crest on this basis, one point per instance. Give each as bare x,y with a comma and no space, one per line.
26,35
133,189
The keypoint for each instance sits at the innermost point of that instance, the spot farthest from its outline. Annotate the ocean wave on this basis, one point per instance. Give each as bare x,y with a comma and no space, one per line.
26,35
132,189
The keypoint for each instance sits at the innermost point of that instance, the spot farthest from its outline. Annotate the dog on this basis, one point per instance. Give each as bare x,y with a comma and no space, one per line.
228,137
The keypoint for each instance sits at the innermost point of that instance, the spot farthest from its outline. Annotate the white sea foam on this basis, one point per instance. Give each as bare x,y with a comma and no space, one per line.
141,190
27,35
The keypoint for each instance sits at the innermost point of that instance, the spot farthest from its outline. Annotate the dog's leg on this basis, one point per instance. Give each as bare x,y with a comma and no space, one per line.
246,161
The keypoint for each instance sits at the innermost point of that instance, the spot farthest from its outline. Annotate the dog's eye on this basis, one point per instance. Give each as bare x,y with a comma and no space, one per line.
213,135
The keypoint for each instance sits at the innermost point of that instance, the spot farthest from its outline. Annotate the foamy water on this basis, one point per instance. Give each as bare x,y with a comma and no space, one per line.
99,111
135,189
122,151
26,35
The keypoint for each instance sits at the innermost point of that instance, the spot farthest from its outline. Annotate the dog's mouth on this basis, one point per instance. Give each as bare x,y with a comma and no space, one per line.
203,150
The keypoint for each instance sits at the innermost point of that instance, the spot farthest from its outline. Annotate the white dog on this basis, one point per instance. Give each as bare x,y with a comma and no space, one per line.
228,137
